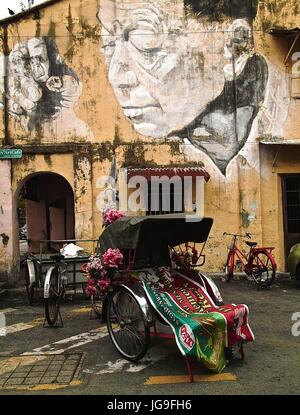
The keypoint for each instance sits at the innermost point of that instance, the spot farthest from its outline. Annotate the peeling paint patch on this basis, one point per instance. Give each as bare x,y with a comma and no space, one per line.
245,218
5,239
47,158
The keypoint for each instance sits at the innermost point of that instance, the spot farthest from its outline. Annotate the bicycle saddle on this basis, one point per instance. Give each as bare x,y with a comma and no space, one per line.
57,257
251,243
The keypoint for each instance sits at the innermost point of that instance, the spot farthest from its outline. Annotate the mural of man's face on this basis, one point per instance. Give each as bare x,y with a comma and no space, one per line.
39,60
165,67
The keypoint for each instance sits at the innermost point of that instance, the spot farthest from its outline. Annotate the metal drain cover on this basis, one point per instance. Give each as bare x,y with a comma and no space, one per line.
35,370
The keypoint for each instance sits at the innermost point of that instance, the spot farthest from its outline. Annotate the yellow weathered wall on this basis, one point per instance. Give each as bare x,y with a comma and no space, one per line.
247,198
2,87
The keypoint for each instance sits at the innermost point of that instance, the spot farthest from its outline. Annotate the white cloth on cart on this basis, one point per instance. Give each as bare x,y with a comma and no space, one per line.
71,250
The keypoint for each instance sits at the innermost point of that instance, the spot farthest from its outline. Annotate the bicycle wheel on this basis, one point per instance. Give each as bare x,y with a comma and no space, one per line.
262,269
228,267
126,325
53,301
29,285
96,300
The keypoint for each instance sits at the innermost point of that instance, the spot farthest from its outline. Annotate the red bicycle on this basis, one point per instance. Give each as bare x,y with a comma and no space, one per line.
259,263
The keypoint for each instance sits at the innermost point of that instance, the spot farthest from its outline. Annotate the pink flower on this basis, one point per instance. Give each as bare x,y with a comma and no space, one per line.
104,285
112,258
110,216
90,288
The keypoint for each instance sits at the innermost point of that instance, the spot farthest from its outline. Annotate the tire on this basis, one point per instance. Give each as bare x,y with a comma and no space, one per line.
228,273
29,286
263,270
53,302
126,325
297,276
96,300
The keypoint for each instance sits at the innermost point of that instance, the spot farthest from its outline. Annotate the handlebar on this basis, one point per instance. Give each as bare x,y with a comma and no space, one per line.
247,235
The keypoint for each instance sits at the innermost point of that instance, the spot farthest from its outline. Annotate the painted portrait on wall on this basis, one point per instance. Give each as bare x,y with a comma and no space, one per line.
43,90
187,69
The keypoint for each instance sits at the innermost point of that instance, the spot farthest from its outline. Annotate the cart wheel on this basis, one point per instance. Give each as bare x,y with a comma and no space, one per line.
96,300
126,325
29,287
52,303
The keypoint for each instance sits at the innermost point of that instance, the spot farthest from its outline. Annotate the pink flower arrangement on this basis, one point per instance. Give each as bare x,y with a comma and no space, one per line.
95,266
112,258
111,215
100,270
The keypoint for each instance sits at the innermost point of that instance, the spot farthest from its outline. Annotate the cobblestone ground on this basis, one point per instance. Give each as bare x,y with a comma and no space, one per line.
79,357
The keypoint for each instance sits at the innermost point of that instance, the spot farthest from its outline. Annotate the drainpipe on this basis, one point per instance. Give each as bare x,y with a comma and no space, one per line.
7,140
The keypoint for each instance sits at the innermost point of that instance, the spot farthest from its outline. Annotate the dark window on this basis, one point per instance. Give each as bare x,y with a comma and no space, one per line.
165,199
292,188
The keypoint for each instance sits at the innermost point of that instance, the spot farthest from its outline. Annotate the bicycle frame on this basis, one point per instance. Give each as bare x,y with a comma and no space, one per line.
235,251
246,259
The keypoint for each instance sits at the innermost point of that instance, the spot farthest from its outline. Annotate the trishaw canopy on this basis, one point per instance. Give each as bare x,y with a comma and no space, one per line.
151,236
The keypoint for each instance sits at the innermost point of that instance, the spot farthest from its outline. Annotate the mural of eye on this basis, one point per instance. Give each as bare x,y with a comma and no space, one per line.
145,40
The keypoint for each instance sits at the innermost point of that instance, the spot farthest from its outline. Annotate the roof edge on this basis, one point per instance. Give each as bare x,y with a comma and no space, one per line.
25,13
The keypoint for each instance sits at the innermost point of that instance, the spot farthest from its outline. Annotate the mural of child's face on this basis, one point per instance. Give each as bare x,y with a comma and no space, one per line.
39,60
164,67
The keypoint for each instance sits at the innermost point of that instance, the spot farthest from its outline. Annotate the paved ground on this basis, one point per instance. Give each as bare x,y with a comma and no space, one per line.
80,358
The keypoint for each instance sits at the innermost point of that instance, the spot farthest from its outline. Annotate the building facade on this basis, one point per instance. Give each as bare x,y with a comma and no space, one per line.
160,87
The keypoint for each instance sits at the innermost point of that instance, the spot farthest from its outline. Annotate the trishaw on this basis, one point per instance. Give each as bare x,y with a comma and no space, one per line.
161,292
37,265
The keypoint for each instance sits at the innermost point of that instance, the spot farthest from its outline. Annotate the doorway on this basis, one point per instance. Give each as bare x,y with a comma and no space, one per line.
291,209
46,211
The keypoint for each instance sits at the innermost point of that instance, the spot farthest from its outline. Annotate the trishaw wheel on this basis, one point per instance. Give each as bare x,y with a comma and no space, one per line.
29,287
126,325
52,303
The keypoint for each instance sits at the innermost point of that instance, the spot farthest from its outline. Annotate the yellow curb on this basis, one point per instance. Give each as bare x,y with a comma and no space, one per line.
81,310
15,328
46,387
163,380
